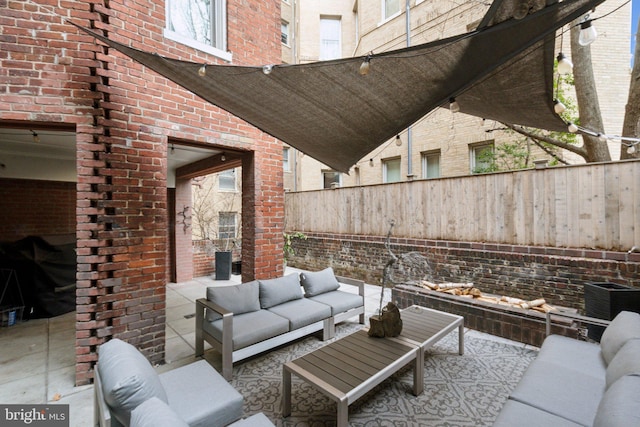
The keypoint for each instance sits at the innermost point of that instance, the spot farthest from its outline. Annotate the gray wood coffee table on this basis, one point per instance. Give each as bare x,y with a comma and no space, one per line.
350,367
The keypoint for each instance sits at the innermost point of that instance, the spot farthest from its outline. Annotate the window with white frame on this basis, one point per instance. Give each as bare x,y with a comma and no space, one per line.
227,180
284,25
390,8
286,159
391,170
431,164
330,38
227,225
482,158
201,24
331,179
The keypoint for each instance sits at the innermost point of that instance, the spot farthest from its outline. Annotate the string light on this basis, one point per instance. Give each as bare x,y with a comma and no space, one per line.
572,128
371,162
267,69
588,33
565,66
202,71
365,66
36,137
631,149
558,107
398,141
453,105
223,158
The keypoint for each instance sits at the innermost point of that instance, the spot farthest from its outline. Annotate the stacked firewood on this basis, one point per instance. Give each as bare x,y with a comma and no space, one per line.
467,290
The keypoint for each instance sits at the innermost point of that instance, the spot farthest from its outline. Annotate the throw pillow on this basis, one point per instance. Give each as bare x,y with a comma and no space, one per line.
155,413
276,291
238,299
127,378
319,282
625,326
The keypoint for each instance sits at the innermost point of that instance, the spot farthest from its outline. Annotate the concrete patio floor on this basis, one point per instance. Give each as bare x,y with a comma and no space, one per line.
38,356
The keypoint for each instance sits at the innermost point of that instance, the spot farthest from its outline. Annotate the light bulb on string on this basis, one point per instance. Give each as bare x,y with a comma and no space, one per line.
202,71
36,137
558,107
267,69
631,149
588,33
371,162
453,105
365,66
572,128
522,10
398,141
565,66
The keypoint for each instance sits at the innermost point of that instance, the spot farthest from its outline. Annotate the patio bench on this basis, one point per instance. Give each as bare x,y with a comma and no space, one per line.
243,320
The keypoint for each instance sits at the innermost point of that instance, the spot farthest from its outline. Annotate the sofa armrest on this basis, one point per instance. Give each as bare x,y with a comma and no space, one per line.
578,317
227,333
353,282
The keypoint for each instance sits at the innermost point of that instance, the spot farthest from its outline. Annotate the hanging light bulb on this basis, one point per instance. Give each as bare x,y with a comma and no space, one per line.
572,128
565,66
398,141
522,10
631,149
371,162
202,71
365,66
588,33
558,107
267,69
223,158
453,105
36,137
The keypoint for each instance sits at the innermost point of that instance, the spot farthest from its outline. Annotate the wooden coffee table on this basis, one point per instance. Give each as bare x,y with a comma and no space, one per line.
350,367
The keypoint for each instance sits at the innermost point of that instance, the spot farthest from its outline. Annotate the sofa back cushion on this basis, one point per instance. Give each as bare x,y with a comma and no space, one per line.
625,326
155,413
619,404
127,378
276,291
238,299
625,362
319,282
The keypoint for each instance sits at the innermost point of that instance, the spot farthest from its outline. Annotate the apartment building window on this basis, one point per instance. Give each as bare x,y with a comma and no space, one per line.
331,179
285,32
227,225
330,38
390,8
227,180
391,170
431,164
201,24
482,159
286,159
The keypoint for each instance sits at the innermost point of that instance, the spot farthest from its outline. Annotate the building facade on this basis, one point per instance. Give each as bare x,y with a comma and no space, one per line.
122,145
442,144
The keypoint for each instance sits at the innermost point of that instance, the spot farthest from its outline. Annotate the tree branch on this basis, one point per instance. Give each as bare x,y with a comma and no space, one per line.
569,147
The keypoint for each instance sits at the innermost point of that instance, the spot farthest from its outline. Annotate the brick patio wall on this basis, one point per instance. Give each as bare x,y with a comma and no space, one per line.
526,272
55,77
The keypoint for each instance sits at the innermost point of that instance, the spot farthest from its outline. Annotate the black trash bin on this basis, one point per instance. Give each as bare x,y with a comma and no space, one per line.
605,301
223,265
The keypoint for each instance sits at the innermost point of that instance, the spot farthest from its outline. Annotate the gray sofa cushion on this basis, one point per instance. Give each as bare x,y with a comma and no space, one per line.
516,414
619,405
155,413
625,362
625,326
339,301
319,282
127,378
276,291
250,328
238,299
561,391
201,396
302,312
570,353
257,420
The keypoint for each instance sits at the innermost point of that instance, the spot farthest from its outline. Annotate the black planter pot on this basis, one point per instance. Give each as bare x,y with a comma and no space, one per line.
605,301
223,265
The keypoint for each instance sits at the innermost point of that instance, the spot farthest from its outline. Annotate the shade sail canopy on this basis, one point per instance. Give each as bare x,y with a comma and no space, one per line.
328,110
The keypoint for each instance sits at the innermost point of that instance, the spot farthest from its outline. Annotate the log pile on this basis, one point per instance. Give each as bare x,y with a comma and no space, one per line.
467,290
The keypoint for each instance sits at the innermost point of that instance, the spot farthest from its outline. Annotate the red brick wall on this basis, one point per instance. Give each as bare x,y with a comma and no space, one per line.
51,73
36,208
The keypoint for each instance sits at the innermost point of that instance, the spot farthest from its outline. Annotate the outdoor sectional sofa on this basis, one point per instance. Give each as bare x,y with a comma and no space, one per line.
243,320
129,392
576,383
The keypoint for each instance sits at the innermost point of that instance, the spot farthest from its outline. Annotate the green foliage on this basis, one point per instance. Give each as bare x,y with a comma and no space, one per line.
288,239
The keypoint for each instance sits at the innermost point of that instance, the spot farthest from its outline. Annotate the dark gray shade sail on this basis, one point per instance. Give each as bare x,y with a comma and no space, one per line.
331,112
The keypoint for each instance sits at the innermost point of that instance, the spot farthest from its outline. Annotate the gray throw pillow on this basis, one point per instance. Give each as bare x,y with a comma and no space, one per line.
625,326
619,405
238,299
319,282
155,413
277,291
127,378
625,362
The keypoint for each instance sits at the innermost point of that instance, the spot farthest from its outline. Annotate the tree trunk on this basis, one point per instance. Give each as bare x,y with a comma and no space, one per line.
596,148
631,125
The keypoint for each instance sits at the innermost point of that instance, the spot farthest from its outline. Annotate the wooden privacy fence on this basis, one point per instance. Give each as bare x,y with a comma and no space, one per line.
593,206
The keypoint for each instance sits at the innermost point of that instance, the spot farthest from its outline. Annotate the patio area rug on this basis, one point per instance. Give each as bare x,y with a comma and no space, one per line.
466,390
